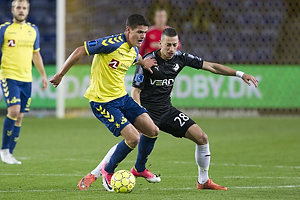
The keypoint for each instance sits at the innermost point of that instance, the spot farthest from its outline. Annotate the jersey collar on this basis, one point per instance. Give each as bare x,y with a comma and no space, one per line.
12,22
157,56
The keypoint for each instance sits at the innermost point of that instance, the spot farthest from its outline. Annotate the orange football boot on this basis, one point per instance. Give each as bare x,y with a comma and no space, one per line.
86,181
209,184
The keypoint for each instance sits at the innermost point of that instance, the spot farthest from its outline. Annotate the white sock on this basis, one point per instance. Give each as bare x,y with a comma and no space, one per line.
97,170
202,156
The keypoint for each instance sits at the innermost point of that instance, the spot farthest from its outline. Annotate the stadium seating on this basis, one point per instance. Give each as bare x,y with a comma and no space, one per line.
248,30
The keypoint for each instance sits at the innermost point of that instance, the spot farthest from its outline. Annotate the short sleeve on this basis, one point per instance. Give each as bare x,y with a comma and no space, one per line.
103,45
36,45
1,35
3,27
193,61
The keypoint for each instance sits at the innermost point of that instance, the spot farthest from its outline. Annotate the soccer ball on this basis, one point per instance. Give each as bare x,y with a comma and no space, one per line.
123,181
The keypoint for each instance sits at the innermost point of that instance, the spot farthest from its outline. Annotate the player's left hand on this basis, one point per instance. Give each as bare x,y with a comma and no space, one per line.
56,79
45,83
247,78
148,63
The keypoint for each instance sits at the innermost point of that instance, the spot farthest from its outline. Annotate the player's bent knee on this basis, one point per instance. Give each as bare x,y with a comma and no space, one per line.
13,114
14,111
131,136
156,131
132,142
204,138
153,132
19,119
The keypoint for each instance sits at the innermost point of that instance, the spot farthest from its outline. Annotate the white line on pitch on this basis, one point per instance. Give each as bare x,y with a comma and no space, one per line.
173,162
240,165
226,177
256,187
268,187
41,175
259,177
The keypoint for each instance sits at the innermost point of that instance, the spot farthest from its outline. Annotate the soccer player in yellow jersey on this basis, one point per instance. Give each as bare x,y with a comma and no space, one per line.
113,55
19,41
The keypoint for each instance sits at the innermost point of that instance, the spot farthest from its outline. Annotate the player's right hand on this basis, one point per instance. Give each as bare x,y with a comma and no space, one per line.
148,63
45,83
55,81
251,78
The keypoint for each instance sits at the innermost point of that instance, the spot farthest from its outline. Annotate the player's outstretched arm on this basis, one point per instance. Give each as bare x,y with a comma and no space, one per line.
77,54
147,63
227,71
38,62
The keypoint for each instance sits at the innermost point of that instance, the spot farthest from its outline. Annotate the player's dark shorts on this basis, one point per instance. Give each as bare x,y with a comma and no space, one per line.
118,113
171,121
16,93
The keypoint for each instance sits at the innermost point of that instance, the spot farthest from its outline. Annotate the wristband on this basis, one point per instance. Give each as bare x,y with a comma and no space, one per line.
239,74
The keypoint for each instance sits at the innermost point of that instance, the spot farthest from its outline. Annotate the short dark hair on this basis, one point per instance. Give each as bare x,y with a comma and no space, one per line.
170,32
135,20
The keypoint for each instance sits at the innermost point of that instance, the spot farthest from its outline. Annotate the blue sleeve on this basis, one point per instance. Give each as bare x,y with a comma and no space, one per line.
3,28
103,45
1,41
2,31
36,45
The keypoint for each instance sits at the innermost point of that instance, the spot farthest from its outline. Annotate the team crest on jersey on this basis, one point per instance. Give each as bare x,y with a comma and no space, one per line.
11,43
176,67
139,78
114,64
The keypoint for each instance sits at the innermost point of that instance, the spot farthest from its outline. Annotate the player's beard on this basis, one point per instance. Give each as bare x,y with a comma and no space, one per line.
20,19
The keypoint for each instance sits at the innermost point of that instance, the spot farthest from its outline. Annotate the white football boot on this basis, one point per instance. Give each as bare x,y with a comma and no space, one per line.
14,160
6,157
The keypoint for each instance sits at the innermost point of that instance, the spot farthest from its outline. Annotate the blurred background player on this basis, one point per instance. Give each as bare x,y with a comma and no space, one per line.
151,41
173,11
108,99
19,41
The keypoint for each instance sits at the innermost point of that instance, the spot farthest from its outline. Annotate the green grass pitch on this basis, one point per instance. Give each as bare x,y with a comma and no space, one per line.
256,158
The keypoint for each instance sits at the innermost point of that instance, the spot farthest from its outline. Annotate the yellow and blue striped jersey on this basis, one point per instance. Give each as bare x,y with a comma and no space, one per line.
112,58
18,42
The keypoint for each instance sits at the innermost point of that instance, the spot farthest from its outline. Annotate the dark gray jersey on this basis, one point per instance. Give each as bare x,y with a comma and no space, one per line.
157,87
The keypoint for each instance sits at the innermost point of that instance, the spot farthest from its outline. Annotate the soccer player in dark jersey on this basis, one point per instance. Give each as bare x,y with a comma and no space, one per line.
110,102
20,45
153,90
